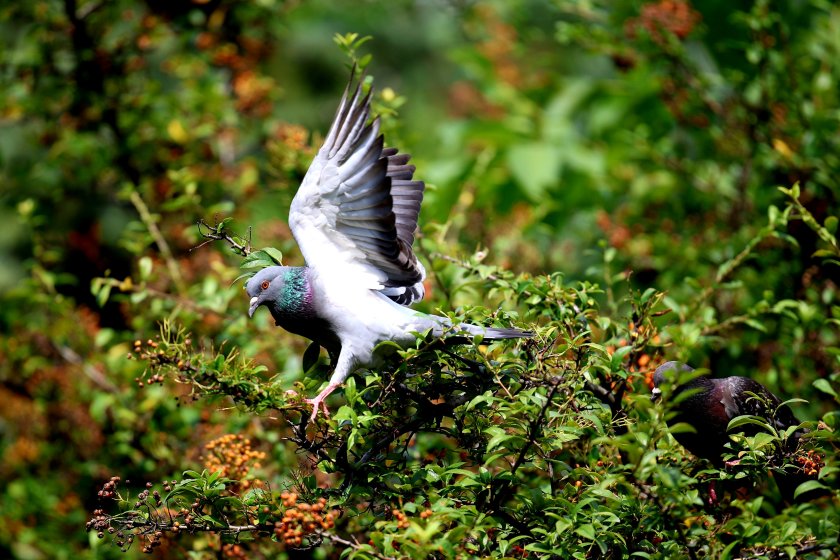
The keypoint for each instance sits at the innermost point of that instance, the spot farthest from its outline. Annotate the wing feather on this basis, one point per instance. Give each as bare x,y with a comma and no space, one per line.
356,211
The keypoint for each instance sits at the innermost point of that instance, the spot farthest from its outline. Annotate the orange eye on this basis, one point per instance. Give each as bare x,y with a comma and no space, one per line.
264,285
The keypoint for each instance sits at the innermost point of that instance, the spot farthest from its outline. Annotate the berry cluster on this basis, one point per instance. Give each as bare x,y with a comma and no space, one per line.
152,541
401,517
675,17
99,523
642,364
143,496
811,462
234,551
519,551
133,524
301,519
233,457
109,489
102,523
152,352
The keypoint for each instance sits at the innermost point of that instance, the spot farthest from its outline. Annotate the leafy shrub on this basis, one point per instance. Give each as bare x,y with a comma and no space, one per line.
635,148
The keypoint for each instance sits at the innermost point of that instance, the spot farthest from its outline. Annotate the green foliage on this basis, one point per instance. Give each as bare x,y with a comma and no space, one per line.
350,43
634,182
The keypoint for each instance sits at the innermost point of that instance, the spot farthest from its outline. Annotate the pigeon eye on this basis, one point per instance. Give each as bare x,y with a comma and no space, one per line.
264,285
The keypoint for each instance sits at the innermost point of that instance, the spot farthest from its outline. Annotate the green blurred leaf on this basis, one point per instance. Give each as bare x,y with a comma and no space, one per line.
535,166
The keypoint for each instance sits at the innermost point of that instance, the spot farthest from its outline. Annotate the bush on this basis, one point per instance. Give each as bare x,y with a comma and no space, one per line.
614,167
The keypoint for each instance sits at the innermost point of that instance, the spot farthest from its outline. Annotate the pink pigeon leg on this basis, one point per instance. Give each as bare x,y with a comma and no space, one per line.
343,367
713,499
318,401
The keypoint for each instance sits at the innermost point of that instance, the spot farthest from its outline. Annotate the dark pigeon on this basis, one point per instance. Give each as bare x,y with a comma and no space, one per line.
713,403
354,218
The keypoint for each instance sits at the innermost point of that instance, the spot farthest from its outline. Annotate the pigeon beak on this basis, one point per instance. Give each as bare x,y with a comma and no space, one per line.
254,304
655,394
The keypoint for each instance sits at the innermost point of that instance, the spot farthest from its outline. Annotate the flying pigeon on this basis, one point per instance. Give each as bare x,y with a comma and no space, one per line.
353,218
713,403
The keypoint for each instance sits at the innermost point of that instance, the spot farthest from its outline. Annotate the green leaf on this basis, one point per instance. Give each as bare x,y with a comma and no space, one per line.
727,552
535,166
145,267
808,486
350,390
484,398
649,293
386,344
756,325
241,277
587,531
102,296
744,420
255,263
262,258
255,496
618,357
824,386
831,224
274,254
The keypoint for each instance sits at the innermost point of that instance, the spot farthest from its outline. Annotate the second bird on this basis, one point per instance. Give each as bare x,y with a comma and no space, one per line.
713,403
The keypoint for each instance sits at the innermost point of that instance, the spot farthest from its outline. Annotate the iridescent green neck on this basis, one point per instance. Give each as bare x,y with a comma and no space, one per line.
296,296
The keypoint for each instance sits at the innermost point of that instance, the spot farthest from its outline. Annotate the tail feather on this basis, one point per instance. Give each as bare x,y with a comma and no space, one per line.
495,333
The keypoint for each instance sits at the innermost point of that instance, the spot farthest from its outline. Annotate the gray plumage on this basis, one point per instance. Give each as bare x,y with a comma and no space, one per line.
354,218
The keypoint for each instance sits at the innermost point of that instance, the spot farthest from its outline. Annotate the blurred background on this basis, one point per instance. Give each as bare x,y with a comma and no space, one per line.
635,144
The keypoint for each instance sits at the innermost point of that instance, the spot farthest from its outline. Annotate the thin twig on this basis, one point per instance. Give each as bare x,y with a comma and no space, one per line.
160,241
354,545
535,427
216,233
72,357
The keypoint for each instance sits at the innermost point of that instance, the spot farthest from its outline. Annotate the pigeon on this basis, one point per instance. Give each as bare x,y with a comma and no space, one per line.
713,403
354,217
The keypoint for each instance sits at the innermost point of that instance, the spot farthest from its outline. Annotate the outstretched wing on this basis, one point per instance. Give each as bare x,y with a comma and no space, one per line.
355,213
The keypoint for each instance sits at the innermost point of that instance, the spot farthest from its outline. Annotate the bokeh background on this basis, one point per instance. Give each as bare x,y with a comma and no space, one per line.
633,144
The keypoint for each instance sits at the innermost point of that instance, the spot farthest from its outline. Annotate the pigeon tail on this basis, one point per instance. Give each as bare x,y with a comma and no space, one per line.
493,333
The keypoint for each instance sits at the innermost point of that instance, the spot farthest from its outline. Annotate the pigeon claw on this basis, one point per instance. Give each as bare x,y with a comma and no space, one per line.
318,401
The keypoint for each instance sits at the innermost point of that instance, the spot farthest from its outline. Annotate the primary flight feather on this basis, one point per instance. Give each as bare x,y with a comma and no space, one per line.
353,218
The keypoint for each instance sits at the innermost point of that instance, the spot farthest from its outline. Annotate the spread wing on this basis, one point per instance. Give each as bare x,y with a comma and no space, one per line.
356,210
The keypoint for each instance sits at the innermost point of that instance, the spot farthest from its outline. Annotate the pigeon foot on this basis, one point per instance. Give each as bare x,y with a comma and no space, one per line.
713,498
318,402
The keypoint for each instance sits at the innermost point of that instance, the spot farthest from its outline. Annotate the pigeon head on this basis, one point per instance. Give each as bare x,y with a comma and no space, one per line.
266,286
285,290
667,372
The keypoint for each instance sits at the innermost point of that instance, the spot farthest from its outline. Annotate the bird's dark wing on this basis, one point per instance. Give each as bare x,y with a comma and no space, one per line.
355,213
747,396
